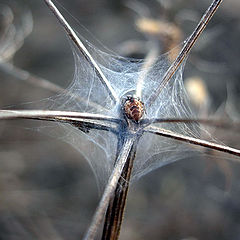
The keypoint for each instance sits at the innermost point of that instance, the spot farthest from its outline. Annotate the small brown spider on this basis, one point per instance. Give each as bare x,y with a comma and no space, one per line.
134,108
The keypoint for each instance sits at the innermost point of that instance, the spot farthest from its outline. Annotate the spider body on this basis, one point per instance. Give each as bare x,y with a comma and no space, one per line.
133,108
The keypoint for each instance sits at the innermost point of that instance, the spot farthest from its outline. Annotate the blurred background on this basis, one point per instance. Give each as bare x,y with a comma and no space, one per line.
47,189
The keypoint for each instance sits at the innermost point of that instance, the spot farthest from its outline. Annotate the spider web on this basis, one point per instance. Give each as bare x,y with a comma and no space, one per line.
86,93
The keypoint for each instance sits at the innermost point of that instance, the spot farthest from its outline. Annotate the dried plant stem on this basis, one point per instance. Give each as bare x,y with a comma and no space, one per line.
10,114
80,46
185,50
96,121
116,207
195,141
211,122
110,187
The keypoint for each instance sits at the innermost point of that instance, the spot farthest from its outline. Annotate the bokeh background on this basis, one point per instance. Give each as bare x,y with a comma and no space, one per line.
47,189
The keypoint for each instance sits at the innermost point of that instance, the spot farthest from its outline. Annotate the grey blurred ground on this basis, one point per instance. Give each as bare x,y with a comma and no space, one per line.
47,189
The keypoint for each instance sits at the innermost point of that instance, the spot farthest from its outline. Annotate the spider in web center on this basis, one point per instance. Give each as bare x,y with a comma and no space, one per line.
133,108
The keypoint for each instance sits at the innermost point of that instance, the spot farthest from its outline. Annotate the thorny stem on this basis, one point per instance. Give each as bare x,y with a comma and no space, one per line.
116,207
9,114
211,122
110,187
194,141
78,119
78,43
185,50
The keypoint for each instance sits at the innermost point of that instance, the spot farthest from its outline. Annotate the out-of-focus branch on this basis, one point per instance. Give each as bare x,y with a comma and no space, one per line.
22,75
